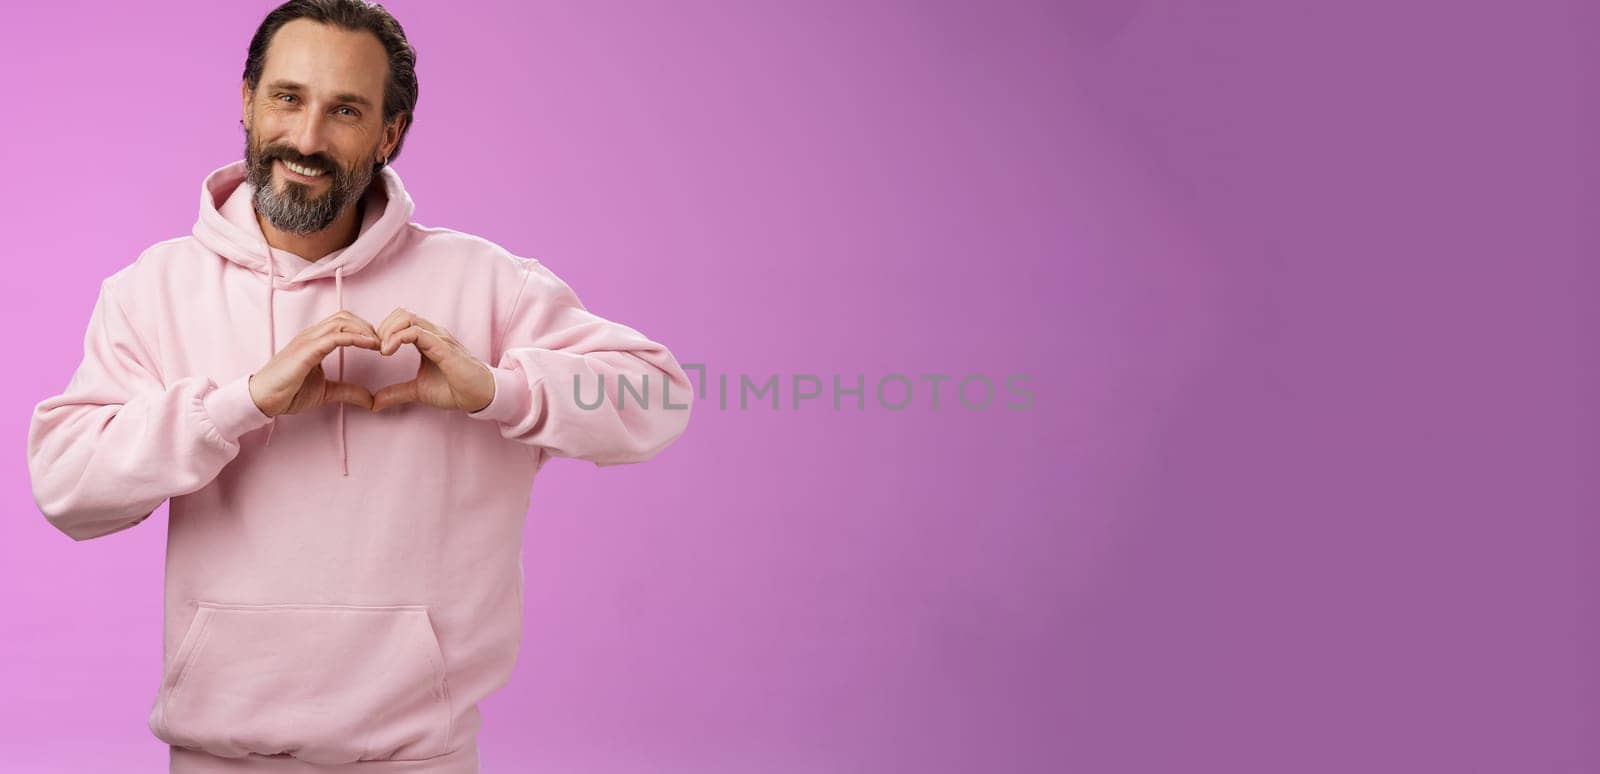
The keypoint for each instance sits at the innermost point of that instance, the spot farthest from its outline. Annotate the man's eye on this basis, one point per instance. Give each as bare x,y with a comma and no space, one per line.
350,112
285,96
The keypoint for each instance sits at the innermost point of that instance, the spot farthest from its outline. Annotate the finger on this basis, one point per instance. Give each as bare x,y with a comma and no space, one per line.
350,339
343,315
397,319
339,322
318,348
394,395
428,325
402,318
363,329
346,392
352,322
428,342
390,342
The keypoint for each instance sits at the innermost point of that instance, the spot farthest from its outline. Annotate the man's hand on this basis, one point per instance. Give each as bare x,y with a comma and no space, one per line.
449,376
292,381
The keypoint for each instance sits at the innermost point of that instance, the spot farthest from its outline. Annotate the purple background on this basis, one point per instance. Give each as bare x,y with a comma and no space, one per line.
1296,283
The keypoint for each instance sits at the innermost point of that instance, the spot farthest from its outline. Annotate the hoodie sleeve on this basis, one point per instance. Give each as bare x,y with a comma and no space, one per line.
555,357
106,452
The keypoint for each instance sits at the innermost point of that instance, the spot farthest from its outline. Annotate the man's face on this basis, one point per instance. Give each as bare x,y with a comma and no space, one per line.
318,106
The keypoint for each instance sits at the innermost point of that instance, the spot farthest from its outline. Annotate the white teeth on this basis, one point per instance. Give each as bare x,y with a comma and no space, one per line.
302,170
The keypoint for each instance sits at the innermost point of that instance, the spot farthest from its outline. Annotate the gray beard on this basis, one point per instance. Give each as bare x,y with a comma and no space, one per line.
294,212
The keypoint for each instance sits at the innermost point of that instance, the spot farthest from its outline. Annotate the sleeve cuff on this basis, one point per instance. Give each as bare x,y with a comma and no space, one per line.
511,397
232,409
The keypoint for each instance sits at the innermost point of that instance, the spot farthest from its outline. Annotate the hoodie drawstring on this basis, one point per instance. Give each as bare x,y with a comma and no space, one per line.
272,349
272,328
338,290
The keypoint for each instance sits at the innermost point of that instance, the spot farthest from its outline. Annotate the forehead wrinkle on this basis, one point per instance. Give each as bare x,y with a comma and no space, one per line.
305,52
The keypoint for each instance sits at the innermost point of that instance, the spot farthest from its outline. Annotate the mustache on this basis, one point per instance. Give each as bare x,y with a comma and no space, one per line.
317,162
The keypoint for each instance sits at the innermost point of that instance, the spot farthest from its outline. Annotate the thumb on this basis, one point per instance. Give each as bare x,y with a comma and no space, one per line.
346,392
394,394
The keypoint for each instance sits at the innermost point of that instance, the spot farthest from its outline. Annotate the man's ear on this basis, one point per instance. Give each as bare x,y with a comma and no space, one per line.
391,135
244,102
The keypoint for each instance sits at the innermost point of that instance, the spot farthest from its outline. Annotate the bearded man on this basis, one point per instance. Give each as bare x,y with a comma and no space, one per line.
344,558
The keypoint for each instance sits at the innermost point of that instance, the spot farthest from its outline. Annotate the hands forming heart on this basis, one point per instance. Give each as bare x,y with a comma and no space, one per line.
449,376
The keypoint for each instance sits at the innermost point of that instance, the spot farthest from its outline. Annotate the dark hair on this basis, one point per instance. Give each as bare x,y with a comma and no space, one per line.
400,90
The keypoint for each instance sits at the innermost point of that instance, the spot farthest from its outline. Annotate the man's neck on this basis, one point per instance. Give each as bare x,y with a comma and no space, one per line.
312,247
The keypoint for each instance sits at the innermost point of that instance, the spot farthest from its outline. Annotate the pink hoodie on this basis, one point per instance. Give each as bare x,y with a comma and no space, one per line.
342,587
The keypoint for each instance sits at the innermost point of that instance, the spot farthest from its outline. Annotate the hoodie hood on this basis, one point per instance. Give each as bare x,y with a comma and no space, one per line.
227,226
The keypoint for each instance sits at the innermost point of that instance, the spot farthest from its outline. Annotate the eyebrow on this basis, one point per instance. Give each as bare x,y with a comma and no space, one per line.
355,99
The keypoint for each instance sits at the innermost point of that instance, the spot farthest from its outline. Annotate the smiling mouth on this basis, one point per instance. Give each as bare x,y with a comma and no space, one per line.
300,171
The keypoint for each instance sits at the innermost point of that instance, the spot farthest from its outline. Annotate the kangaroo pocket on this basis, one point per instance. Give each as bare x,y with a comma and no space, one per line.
328,684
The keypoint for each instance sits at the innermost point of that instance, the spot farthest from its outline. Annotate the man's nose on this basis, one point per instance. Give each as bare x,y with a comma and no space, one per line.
307,134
